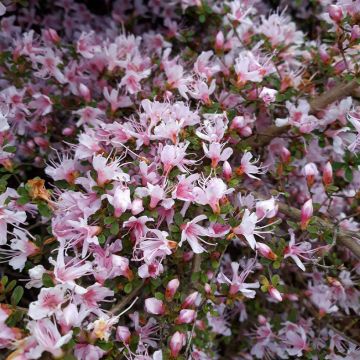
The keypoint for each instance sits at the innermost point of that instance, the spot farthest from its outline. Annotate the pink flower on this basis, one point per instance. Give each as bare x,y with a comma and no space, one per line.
107,172
184,187
217,153
210,192
120,200
49,300
247,166
192,232
237,283
248,228
155,246
20,249
48,337
300,251
154,306
123,334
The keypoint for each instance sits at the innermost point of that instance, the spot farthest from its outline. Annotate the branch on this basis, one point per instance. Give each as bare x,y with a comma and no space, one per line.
345,237
319,103
336,93
126,300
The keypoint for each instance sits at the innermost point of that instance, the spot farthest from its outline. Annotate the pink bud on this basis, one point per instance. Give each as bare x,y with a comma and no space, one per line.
324,56
340,67
306,214
171,288
84,92
43,143
154,306
327,174
246,131
219,41
310,171
186,316
123,334
68,131
227,171
190,300
285,155
265,251
275,293
52,35
335,13
238,122
177,341
207,288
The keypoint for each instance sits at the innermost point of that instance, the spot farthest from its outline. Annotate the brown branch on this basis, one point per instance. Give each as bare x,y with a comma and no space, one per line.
126,300
336,93
319,103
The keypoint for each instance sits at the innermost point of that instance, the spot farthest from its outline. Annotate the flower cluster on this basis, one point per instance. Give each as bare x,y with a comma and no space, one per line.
179,180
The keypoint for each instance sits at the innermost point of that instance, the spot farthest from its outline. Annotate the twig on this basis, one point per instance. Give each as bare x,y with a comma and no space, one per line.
126,300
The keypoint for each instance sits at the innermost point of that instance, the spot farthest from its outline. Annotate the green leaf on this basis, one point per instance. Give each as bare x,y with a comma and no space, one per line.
47,280
348,174
17,295
178,218
276,264
128,288
44,210
10,286
109,220
10,149
275,279
114,230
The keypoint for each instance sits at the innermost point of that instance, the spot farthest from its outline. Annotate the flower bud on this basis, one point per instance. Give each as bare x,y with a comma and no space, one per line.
190,300
275,293
227,171
265,251
123,334
285,155
154,306
306,214
327,174
171,288
339,67
335,13
85,92
68,131
52,35
207,288
177,341
219,41
186,316
310,171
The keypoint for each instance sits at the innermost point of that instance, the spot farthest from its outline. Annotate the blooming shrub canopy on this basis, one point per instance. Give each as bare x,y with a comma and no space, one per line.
179,180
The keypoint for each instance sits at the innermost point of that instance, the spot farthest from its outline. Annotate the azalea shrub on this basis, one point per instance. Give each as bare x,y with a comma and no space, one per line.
179,179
